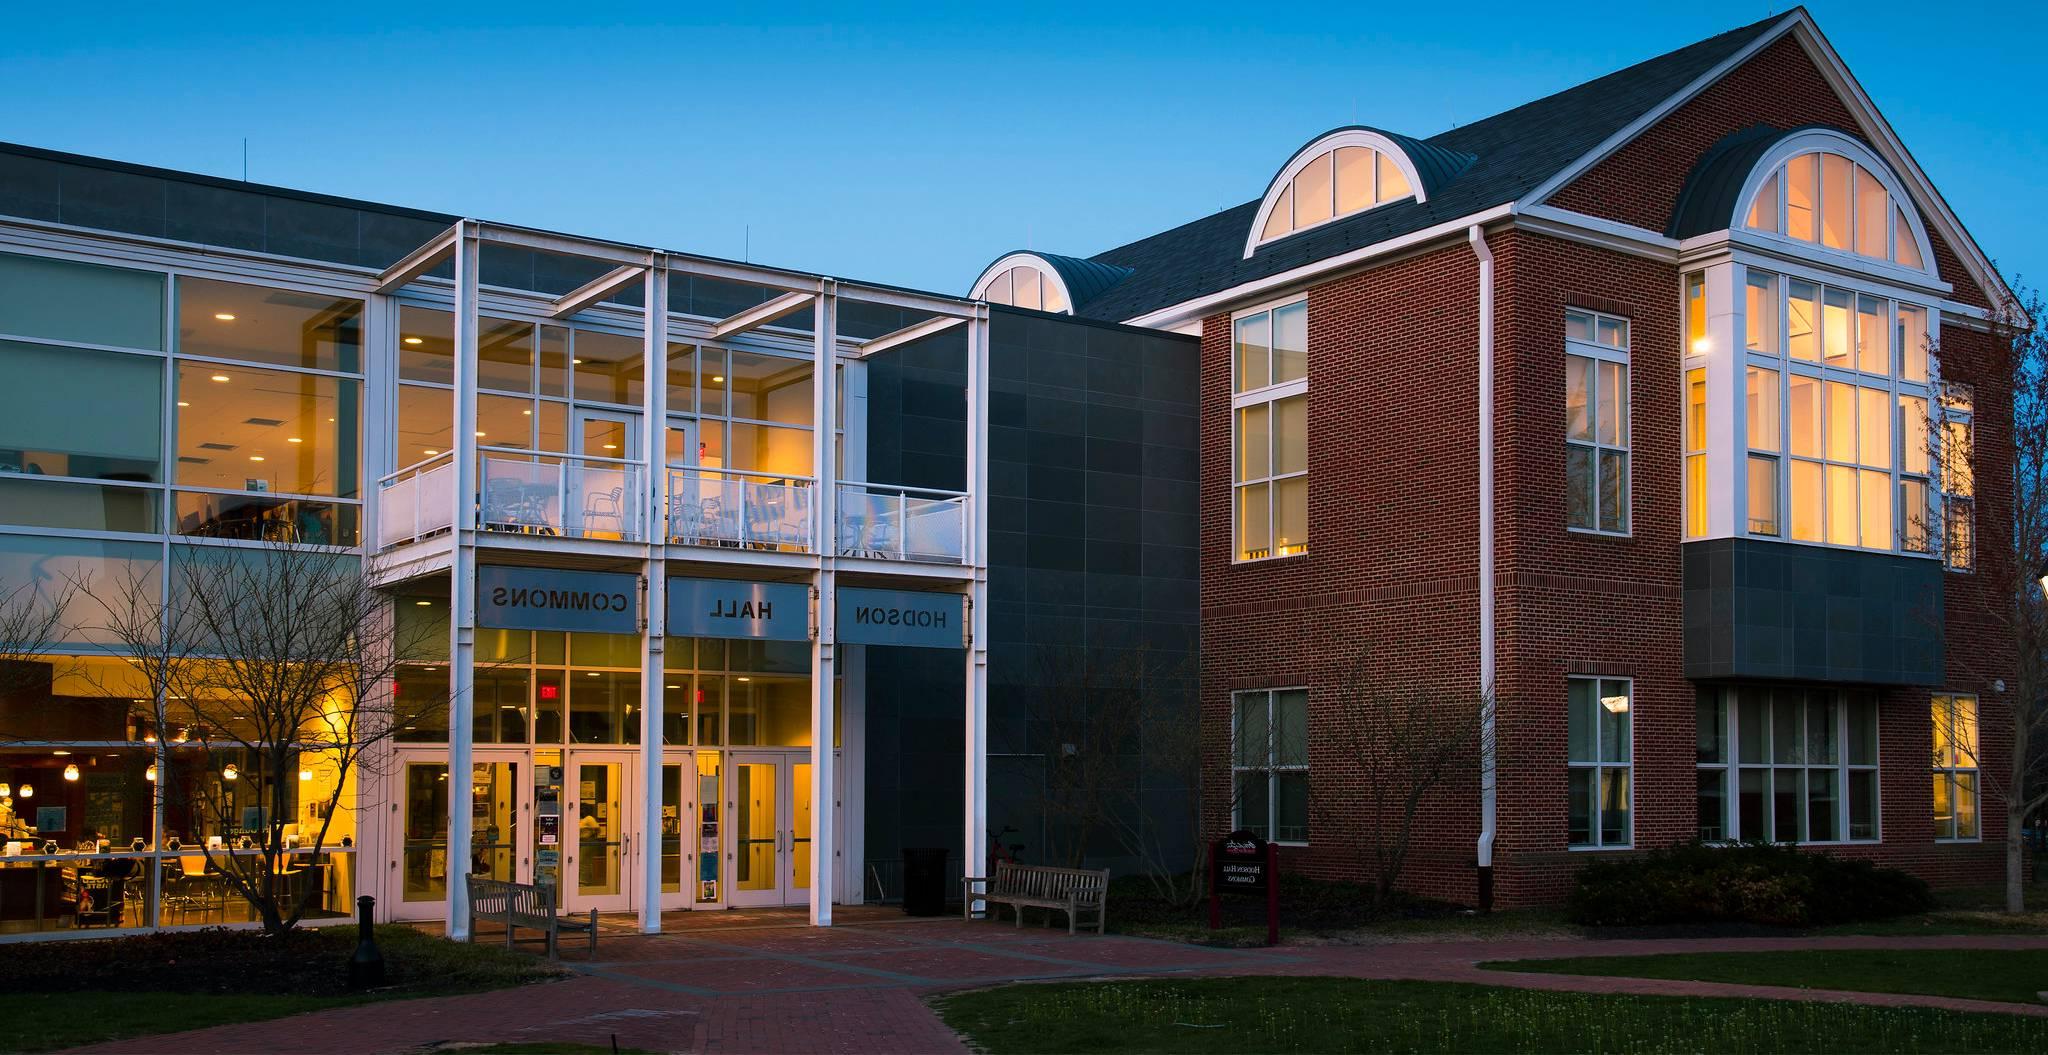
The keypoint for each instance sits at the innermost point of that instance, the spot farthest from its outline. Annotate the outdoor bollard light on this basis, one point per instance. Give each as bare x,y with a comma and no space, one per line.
366,967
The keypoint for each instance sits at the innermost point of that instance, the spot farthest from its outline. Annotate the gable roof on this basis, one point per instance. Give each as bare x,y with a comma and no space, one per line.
1516,151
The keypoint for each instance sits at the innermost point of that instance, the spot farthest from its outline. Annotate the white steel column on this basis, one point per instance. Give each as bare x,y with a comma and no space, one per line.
654,517
975,807
824,509
1727,387
462,587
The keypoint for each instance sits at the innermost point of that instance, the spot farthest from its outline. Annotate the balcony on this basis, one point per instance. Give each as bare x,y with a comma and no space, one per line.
742,510
416,502
571,496
892,522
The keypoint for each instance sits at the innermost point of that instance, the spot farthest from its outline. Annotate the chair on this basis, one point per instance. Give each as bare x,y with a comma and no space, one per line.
99,901
605,504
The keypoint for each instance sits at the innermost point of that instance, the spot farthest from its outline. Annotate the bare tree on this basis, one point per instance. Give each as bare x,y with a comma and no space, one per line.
268,664
33,623
1407,744
2007,550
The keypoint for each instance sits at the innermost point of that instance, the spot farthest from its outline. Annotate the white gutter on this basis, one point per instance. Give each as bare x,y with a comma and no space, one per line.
1477,237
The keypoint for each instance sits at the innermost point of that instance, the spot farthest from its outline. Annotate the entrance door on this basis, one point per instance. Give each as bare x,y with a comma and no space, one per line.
602,495
497,801
769,807
597,870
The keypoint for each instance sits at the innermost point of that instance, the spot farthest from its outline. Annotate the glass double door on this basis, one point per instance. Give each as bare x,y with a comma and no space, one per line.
768,808
547,818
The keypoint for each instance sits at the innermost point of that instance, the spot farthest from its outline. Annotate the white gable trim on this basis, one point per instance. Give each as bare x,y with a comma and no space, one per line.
1323,144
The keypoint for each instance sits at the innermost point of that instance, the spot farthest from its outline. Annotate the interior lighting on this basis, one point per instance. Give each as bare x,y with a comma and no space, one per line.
224,316
255,457
28,791
230,771
414,340
305,775
6,791
220,377
1615,704
71,771
293,439
150,773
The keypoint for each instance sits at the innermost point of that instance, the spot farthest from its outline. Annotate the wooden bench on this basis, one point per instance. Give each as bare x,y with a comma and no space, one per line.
1071,890
525,905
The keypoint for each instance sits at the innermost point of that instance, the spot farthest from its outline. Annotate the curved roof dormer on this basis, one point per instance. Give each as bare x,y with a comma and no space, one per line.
1346,171
1814,188
1044,281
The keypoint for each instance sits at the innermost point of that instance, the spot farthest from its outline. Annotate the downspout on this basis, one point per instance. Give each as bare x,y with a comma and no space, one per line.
1486,659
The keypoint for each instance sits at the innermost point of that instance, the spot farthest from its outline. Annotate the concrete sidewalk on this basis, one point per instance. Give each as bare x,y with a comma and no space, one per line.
862,988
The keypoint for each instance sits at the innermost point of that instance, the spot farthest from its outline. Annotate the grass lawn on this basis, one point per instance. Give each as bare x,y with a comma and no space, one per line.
1352,1015
63,994
1980,974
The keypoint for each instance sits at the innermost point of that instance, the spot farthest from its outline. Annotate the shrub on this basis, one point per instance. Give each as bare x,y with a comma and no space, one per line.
1751,883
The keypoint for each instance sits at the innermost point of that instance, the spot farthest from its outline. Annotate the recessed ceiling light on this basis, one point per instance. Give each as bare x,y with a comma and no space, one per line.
592,674
745,679
528,413
414,340
293,439
719,380
431,453
60,754
182,403
220,377
424,604
224,316
255,457
578,362
479,433
611,446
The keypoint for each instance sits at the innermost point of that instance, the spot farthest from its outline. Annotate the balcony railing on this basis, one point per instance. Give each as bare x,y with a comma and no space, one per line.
576,496
893,522
739,509
416,501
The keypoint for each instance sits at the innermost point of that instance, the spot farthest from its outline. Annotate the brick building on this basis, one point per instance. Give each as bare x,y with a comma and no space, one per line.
1630,406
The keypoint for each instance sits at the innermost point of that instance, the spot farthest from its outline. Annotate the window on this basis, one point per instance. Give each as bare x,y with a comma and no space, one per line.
1954,722
1598,739
1836,412
1269,764
1269,412
1958,479
1787,765
1833,201
1025,286
1339,174
1596,422
57,300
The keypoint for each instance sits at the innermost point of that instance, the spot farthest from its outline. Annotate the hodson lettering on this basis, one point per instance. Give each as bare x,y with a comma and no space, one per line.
878,615
559,600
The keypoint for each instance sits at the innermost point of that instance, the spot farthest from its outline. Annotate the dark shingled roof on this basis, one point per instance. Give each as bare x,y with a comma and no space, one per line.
1514,152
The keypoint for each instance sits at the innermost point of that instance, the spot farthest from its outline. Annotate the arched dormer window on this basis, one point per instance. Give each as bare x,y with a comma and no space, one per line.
1345,172
1825,188
1024,281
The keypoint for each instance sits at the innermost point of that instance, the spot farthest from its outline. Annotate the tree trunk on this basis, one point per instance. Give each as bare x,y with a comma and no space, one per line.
2015,855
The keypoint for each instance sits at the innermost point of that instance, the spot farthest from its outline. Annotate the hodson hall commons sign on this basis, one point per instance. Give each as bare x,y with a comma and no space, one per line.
511,598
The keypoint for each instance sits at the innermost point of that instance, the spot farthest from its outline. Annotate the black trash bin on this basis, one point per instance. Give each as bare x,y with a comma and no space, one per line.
924,881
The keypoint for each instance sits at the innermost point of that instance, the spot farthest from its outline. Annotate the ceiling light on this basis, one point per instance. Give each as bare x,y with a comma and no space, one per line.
224,316
423,604
414,340
305,774
150,773
60,754
611,446
255,457
479,433
592,674
28,791
720,379
293,439
745,679
432,453
220,377
71,772
673,686
528,413
182,403
578,362
1701,345
230,771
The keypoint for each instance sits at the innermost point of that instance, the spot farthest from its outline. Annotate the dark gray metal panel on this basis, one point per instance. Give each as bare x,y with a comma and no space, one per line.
1756,608
1076,565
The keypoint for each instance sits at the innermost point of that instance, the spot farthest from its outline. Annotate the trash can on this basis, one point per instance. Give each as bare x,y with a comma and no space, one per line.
924,881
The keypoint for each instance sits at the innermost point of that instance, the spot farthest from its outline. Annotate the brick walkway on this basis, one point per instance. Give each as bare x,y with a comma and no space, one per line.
861,988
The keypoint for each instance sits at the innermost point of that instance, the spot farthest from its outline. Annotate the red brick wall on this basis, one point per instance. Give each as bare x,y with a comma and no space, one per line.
1393,548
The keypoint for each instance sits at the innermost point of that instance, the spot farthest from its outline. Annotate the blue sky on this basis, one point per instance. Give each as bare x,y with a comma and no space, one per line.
910,146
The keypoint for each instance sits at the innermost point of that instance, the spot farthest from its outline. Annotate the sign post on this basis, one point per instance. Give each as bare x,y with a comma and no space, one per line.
1244,863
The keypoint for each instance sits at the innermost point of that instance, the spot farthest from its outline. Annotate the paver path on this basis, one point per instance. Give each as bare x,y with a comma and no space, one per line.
861,988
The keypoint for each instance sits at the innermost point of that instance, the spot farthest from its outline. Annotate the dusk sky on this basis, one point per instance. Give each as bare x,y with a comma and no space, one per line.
883,142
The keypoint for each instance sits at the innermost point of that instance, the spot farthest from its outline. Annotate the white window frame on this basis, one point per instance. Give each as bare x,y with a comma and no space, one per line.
1048,278
1954,766
1729,700
1830,141
1329,144
1270,395
1893,383
1953,404
1599,769
1604,353
1272,767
